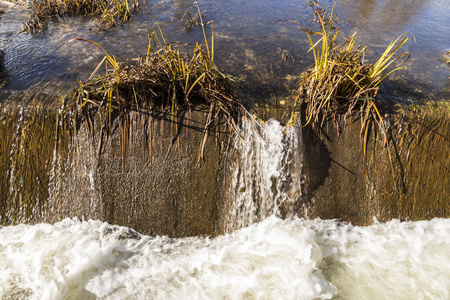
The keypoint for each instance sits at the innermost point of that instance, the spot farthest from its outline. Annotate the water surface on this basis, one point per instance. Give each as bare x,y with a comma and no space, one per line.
248,39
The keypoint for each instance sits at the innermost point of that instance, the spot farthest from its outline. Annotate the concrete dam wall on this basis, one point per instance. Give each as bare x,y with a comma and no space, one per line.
49,172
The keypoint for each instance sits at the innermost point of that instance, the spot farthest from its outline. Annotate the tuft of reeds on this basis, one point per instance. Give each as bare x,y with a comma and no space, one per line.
114,12
110,12
165,79
191,21
341,86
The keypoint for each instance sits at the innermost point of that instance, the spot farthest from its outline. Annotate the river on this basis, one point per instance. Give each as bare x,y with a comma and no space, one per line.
267,252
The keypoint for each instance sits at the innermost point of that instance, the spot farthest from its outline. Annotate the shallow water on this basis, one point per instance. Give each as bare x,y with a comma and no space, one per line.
247,38
290,259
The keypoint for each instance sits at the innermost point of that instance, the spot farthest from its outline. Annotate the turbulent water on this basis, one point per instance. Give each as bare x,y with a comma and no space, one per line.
273,259
266,177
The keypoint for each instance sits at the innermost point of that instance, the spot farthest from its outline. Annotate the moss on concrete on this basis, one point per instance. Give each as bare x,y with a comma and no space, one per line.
48,172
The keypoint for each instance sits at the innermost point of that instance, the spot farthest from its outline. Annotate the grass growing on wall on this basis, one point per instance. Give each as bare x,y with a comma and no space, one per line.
165,79
341,85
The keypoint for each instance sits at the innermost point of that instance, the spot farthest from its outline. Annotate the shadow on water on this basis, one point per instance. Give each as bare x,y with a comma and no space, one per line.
3,72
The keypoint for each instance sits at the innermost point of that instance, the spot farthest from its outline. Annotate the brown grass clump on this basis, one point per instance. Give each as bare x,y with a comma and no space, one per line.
165,80
341,86
111,12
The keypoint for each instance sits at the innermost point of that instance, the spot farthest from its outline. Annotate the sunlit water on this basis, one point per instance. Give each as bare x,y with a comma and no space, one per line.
273,259
248,39
266,178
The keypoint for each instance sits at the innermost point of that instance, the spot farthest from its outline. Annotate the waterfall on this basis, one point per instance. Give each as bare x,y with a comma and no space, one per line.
72,181
16,210
266,177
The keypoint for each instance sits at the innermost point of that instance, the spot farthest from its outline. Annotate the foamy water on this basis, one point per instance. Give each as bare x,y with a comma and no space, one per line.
266,177
273,259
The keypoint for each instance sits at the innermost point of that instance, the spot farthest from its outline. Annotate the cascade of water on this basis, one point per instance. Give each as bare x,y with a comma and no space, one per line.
16,209
266,177
72,184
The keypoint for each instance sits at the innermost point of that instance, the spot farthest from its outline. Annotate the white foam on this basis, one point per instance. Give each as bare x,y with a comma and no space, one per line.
267,175
274,259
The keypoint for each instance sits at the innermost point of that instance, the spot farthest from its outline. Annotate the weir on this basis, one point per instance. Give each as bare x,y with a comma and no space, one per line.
51,169
49,173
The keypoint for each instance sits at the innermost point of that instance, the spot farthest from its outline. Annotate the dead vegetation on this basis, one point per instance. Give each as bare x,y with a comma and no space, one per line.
165,80
341,86
109,12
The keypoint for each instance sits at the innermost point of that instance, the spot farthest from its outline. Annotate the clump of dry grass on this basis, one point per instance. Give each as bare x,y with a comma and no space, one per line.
340,86
111,12
165,79
447,57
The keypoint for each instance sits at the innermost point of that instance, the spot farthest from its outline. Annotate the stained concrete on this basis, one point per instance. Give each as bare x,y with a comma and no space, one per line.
48,172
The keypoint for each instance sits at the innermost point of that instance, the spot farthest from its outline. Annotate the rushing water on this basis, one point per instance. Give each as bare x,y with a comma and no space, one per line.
266,178
273,259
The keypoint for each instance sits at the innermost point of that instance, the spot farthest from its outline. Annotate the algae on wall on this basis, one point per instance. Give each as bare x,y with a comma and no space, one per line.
46,174
167,193
419,189
407,178
26,150
35,141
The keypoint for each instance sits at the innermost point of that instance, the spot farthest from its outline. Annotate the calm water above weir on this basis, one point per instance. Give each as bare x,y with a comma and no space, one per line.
248,40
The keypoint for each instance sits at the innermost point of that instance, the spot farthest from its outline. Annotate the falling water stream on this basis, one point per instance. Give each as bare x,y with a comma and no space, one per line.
266,178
